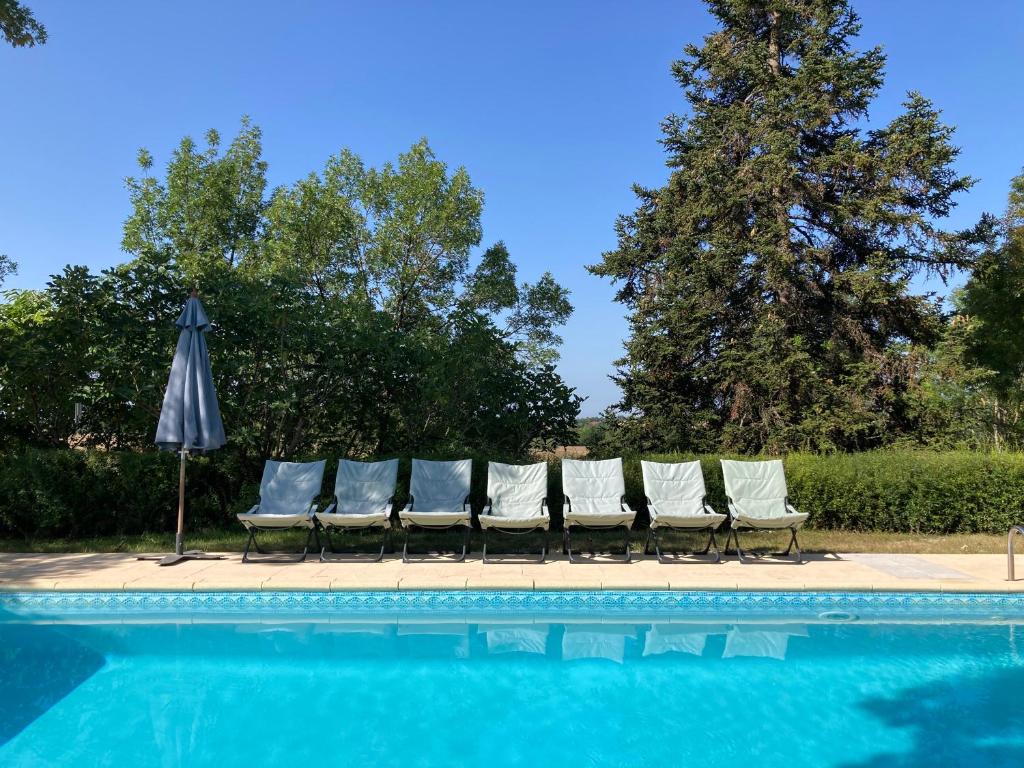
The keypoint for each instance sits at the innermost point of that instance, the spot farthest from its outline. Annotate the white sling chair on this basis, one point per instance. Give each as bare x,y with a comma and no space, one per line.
759,501
516,501
594,499
363,494
438,500
288,494
677,500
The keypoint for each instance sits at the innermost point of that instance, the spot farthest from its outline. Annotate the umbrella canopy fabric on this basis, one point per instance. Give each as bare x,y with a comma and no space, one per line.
190,416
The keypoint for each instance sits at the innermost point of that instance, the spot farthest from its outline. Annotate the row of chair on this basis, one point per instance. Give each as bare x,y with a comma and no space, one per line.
594,494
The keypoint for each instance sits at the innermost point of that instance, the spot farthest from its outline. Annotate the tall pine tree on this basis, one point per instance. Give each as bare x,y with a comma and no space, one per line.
769,281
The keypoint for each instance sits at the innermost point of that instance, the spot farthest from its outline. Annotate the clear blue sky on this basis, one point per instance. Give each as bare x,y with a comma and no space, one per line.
553,107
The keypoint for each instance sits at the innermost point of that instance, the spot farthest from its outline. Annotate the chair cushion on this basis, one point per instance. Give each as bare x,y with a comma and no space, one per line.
265,520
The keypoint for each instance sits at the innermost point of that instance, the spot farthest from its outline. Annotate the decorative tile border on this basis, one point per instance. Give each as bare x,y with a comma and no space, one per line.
326,606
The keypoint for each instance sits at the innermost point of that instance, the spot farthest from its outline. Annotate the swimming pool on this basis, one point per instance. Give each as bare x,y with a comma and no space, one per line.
511,679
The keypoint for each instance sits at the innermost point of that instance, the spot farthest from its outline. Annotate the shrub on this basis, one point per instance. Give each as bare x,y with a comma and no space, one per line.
891,490
56,493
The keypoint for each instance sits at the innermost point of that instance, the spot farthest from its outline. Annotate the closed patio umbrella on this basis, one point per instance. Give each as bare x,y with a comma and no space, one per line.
190,417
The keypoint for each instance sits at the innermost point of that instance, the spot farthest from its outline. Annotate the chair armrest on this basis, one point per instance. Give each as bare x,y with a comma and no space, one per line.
466,506
625,506
708,509
791,508
544,508
733,514
254,510
488,507
330,508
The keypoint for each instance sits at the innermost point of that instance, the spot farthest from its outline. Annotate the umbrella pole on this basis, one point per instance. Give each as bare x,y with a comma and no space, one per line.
180,554
179,537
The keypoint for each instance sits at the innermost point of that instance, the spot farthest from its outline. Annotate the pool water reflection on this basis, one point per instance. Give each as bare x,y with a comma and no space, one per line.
510,690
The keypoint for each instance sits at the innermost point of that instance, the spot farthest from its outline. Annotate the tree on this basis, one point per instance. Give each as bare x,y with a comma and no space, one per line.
18,26
45,360
8,267
352,315
991,309
768,281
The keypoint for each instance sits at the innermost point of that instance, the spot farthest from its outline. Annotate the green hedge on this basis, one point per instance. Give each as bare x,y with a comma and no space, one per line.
65,493
890,490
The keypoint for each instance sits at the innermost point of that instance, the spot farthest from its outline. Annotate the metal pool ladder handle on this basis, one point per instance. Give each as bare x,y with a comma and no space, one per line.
1019,530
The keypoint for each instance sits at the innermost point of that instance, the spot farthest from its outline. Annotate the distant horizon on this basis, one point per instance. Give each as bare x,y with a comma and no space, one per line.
554,112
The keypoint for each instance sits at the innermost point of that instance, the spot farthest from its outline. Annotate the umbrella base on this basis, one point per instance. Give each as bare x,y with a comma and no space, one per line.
174,559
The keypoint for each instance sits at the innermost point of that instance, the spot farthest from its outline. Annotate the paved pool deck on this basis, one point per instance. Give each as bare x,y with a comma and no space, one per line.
832,572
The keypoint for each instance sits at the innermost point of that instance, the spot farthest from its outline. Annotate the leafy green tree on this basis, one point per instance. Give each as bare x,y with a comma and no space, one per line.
18,26
769,281
991,306
351,316
8,267
45,360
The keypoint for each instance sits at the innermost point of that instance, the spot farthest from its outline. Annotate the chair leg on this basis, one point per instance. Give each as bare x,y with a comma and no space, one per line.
647,541
461,555
567,546
739,549
793,543
465,545
734,535
543,548
309,540
713,543
567,542
249,542
328,545
278,557
355,556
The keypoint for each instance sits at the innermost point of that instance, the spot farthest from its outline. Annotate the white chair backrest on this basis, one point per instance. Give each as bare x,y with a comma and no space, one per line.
593,487
516,488
364,486
756,488
674,488
440,483
289,487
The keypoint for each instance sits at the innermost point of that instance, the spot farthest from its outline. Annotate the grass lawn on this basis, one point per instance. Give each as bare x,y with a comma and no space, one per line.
810,541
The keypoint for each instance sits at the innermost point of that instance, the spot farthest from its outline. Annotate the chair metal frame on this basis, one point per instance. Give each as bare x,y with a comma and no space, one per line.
337,556
279,556
408,526
653,532
519,531
734,535
567,534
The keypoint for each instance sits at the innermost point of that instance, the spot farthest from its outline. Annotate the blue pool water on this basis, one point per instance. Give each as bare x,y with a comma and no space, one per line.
512,679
